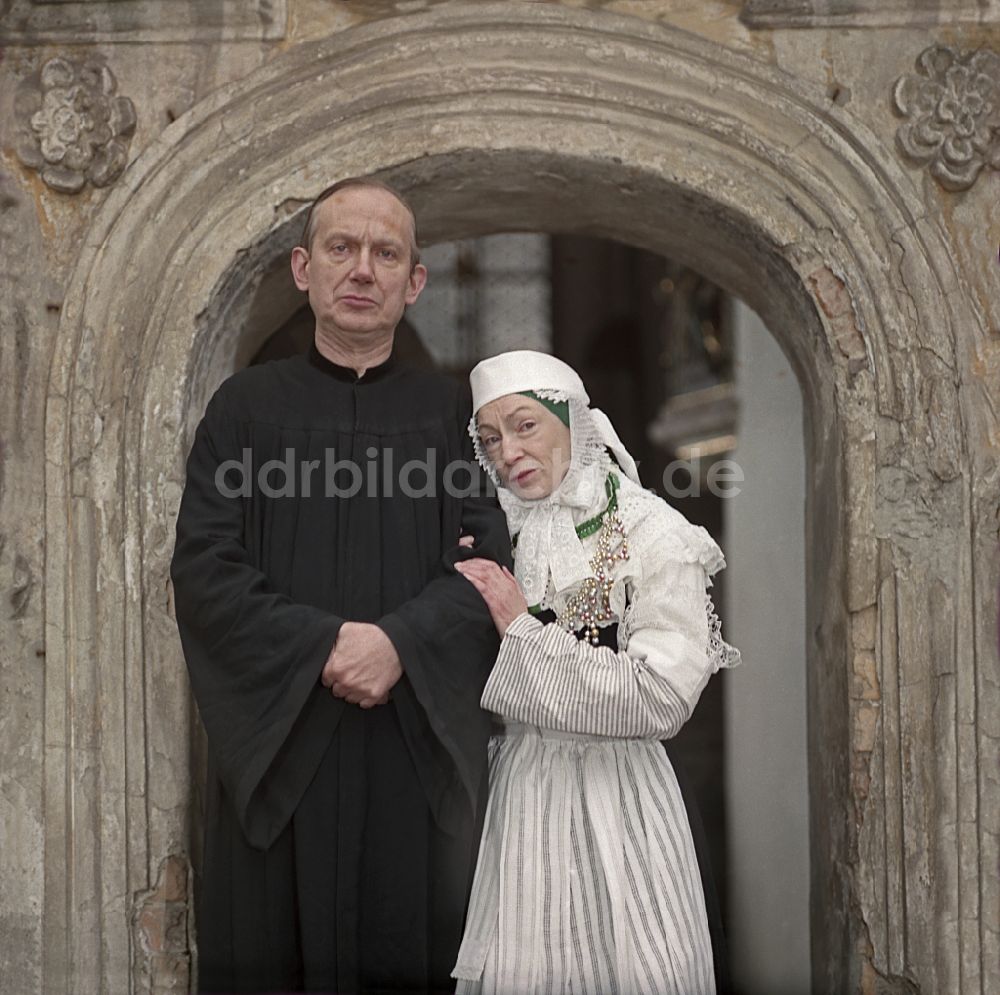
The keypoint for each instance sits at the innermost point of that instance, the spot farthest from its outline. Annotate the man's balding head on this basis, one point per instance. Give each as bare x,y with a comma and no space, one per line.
366,182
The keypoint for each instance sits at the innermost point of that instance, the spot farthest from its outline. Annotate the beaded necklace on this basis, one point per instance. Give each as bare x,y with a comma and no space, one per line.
591,605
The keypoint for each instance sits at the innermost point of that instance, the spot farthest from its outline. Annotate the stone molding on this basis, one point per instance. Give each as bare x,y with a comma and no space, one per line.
771,14
952,110
40,22
495,116
72,126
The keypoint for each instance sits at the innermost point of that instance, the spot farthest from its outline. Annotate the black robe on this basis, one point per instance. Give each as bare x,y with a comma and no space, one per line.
339,841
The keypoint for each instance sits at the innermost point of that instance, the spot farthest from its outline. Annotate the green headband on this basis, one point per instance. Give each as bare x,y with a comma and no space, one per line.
559,408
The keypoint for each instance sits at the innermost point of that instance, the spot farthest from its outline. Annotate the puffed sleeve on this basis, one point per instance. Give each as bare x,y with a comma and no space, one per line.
547,677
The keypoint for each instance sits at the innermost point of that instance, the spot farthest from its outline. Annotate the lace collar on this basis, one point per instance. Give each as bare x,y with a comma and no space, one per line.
549,544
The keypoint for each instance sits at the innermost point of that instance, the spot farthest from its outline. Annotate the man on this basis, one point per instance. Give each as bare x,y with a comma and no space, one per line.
336,657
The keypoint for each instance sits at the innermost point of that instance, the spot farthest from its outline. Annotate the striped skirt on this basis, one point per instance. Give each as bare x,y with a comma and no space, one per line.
587,880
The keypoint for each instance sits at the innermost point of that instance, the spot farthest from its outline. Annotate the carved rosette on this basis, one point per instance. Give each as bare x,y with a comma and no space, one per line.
952,107
72,125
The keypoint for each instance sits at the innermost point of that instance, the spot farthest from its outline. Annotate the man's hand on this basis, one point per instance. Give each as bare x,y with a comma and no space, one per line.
363,665
499,589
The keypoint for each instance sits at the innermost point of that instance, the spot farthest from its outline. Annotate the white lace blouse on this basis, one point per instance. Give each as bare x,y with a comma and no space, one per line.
668,637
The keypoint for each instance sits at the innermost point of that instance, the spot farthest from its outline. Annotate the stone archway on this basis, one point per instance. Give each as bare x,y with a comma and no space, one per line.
556,119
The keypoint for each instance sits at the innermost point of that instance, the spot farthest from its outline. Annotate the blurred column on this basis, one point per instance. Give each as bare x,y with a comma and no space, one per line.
765,698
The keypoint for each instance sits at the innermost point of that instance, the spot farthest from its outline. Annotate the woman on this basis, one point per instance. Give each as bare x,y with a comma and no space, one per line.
587,879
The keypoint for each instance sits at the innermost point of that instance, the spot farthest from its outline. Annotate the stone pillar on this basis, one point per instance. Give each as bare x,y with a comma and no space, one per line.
766,705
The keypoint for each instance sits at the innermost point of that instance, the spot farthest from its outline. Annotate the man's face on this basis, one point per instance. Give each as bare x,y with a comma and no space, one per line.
357,270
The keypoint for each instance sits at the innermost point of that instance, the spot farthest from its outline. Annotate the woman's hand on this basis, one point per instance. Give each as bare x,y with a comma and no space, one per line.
498,587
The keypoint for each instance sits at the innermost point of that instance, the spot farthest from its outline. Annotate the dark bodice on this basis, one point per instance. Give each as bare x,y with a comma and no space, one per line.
608,634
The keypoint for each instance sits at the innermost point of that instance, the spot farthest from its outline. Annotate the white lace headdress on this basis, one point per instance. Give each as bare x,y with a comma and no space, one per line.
546,527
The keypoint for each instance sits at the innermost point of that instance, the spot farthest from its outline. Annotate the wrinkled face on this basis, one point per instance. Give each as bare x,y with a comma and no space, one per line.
357,270
527,444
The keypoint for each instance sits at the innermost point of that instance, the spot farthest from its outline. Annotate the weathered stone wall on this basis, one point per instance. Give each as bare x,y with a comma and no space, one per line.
25,346
765,155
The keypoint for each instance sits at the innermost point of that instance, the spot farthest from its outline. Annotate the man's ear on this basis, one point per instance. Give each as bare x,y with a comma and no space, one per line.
418,277
300,267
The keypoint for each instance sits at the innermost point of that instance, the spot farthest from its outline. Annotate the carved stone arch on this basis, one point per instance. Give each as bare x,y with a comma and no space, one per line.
494,116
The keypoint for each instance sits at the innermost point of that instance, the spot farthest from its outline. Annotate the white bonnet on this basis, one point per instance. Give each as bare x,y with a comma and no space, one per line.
524,369
552,379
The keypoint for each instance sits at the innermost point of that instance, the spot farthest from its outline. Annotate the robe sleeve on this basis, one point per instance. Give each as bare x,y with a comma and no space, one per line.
547,677
445,637
254,656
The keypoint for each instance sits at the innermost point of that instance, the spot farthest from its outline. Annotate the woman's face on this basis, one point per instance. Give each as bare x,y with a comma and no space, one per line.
527,444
